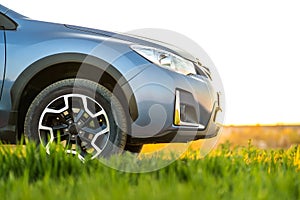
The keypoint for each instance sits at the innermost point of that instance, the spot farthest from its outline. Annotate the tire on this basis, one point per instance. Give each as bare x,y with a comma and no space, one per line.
134,148
82,115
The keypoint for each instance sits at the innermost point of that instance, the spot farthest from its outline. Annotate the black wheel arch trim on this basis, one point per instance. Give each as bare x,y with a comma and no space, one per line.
30,72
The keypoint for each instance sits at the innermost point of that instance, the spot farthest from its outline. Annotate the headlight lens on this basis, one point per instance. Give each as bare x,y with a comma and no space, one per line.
166,59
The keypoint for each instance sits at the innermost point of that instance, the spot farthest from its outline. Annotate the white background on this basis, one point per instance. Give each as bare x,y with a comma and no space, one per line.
254,44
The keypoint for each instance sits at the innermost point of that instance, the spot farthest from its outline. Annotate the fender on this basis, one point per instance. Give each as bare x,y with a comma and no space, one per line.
30,72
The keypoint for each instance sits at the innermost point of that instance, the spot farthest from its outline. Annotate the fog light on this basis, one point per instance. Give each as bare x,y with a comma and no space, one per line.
180,113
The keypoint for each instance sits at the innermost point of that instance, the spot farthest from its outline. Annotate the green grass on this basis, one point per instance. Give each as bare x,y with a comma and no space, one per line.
227,173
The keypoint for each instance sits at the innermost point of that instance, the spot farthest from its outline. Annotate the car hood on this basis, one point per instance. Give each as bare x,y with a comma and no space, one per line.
138,39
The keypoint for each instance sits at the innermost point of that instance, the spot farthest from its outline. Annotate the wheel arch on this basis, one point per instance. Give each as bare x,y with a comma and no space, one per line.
44,72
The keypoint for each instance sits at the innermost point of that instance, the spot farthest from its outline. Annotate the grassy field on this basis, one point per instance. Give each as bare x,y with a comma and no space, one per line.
226,173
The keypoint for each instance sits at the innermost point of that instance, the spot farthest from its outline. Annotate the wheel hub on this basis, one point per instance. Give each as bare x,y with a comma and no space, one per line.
73,129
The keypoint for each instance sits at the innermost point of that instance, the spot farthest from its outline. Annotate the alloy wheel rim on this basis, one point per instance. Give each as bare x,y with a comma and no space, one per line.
78,122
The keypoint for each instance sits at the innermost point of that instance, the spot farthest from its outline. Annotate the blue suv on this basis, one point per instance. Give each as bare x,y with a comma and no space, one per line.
99,92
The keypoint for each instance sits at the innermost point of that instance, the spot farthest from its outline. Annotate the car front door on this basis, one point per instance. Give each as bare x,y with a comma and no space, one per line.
2,60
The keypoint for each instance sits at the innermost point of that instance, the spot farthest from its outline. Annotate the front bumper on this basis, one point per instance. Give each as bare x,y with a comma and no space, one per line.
182,133
173,107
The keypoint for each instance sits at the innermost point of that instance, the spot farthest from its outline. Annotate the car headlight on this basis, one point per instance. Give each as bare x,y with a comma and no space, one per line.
165,59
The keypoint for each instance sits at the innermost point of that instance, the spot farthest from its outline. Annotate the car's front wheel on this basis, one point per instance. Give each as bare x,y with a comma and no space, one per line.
82,115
